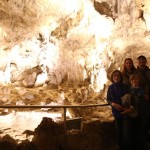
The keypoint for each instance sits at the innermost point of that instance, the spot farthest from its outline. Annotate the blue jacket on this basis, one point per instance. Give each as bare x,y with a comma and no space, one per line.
114,94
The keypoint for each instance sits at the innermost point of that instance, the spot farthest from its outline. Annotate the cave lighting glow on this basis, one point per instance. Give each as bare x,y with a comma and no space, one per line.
118,43
0,30
25,120
99,74
101,27
97,25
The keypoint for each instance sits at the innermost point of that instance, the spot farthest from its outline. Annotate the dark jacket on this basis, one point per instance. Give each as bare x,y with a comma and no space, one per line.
114,94
145,74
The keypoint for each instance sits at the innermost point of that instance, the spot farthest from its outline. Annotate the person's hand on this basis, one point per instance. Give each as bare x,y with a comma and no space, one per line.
127,111
117,106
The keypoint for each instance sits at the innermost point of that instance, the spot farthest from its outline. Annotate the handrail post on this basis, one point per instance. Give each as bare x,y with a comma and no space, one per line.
65,126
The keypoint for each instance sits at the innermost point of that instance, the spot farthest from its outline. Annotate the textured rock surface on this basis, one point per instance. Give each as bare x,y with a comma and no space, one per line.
63,51
51,135
93,36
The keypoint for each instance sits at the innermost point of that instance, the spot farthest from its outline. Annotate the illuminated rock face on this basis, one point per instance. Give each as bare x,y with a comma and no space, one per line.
68,45
49,42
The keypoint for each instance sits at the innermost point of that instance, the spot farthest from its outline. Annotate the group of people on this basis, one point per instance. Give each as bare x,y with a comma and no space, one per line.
129,98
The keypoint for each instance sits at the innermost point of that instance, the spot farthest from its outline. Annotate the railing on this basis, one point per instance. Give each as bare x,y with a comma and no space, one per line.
54,106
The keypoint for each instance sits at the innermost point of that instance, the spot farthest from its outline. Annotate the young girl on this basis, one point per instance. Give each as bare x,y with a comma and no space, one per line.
115,91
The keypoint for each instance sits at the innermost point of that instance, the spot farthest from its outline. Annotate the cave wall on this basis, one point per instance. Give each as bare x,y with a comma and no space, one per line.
49,42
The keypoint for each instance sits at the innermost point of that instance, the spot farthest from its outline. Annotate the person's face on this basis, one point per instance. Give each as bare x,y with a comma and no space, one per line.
135,82
128,64
142,62
116,77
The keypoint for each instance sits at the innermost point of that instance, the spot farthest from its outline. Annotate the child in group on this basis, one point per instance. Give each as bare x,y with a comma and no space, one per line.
137,90
115,91
140,104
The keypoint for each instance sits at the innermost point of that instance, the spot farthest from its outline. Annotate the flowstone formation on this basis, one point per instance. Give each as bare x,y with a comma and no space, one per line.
49,42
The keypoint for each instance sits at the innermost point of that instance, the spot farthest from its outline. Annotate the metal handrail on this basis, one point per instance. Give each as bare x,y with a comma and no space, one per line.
50,106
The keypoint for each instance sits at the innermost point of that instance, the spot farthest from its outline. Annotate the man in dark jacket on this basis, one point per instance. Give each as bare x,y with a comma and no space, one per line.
144,70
